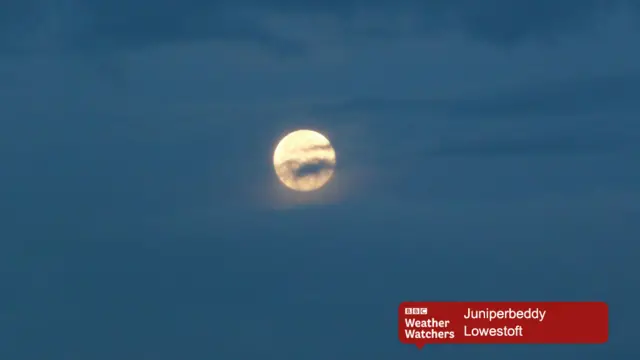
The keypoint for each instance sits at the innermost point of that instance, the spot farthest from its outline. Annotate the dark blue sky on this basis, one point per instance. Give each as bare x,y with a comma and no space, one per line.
487,150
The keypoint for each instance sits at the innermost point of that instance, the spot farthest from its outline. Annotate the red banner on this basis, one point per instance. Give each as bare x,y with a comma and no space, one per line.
422,323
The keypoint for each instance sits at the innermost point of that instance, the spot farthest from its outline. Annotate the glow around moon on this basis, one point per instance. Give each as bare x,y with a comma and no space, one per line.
304,160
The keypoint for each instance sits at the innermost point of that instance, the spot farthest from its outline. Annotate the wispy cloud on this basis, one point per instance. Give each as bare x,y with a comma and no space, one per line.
121,25
614,93
593,117
118,24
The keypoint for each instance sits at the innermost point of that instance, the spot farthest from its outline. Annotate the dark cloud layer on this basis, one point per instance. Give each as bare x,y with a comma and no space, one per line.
122,24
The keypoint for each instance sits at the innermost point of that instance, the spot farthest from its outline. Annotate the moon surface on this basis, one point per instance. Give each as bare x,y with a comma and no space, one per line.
304,160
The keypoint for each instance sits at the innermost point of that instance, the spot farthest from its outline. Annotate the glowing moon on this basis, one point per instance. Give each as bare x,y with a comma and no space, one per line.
304,160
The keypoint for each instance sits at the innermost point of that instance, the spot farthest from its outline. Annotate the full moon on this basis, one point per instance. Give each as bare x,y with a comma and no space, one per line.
304,160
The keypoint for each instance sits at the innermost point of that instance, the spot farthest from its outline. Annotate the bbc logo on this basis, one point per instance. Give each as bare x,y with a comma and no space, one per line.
416,311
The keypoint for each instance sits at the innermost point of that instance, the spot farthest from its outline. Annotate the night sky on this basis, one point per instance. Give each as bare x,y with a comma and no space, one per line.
487,150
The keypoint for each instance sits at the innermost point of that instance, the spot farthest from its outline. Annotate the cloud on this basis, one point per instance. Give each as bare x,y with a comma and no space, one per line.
501,22
313,167
526,146
611,93
123,25
116,25
570,117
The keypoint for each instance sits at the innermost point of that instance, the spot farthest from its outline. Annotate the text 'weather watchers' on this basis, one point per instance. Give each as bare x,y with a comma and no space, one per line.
422,323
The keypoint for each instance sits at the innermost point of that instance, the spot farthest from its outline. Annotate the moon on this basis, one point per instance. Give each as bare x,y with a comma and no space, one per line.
304,160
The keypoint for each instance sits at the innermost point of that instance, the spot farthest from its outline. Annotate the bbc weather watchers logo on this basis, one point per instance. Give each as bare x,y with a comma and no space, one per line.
416,311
